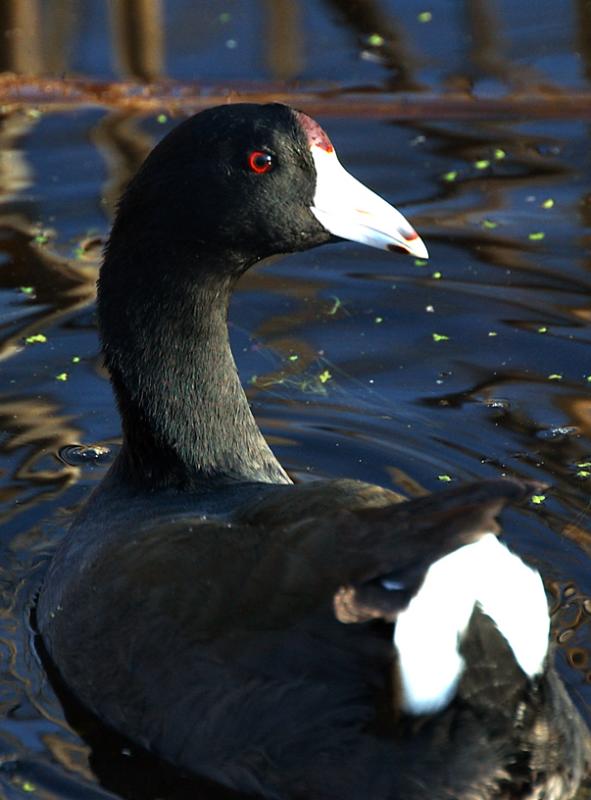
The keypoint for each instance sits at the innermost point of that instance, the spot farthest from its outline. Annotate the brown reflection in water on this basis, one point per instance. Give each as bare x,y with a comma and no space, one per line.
15,172
479,195
571,621
582,314
283,34
406,482
124,145
60,26
278,331
61,285
558,454
583,208
578,411
138,37
366,17
35,428
526,167
35,37
32,429
73,756
583,30
20,45
487,51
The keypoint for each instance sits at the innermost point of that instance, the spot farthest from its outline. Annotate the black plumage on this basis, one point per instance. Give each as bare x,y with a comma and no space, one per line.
237,625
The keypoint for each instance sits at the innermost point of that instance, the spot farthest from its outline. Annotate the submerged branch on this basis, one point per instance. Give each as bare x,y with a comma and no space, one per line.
50,94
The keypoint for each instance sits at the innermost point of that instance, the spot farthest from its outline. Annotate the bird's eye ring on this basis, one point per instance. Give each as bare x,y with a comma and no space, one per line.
260,162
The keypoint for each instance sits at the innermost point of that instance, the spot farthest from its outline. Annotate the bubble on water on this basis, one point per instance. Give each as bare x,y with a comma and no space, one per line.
81,455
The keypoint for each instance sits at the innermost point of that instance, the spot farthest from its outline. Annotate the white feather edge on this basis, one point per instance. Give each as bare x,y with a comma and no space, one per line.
428,632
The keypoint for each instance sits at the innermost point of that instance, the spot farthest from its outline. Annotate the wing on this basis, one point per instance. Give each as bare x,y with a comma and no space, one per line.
216,644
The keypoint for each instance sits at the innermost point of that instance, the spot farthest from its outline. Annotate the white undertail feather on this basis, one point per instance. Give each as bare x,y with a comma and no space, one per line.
428,633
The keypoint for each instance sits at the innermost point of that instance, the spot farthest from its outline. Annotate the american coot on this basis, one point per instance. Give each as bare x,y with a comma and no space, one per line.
319,641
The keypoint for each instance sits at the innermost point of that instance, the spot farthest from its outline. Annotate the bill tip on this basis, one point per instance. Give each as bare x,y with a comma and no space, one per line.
413,246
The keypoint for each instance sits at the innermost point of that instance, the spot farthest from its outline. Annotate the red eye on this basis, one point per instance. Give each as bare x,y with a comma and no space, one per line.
260,162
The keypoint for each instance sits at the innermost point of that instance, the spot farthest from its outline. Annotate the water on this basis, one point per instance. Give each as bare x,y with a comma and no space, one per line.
358,363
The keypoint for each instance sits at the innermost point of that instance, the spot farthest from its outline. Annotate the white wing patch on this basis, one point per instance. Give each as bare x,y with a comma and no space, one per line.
428,633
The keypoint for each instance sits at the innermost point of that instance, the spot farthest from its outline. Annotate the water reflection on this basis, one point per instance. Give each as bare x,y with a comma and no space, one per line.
484,46
32,428
283,32
138,38
382,39
123,144
20,36
337,347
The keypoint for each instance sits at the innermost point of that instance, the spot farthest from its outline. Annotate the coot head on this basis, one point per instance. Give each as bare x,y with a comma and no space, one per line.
225,189
251,181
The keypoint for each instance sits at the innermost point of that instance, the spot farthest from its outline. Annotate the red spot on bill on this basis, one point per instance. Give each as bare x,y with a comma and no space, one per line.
314,133
410,236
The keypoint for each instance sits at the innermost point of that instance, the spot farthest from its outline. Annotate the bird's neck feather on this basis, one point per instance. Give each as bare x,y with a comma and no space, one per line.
164,330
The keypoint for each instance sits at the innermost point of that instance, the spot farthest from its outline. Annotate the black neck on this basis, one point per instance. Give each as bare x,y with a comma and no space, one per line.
186,419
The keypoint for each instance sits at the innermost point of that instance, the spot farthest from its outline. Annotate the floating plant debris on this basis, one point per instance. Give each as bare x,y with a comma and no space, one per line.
375,40
335,307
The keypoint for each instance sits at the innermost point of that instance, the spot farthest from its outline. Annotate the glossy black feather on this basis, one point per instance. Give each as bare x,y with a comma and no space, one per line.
236,625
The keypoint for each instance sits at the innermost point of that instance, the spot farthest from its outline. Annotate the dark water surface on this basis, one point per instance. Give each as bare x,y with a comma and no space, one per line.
357,363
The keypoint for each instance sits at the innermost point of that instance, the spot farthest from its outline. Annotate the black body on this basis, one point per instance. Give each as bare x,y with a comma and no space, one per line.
233,623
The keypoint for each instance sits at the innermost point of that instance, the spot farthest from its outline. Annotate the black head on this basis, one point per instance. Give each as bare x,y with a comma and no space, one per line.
247,181
238,178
